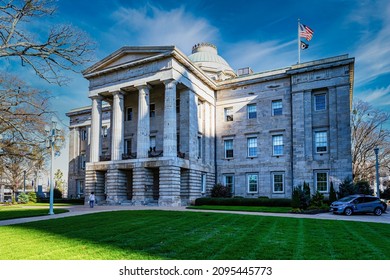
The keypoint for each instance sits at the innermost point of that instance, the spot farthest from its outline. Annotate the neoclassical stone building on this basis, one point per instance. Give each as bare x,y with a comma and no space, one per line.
164,127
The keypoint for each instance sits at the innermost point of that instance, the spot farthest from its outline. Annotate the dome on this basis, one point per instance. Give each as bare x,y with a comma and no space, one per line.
205,56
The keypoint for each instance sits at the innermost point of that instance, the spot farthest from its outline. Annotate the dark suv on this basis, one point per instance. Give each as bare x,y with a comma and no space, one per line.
358,204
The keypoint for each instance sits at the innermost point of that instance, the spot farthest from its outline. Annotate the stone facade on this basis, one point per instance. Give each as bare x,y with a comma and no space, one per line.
163,128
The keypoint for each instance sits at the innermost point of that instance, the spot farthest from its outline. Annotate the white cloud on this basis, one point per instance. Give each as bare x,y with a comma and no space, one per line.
261,56
372,52
378,95
153,26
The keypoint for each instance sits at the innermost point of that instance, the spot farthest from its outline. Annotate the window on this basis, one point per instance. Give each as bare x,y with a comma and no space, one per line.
252,111
321,181
229,114
228,181
203,183
152,142
152,110
128,146
252,182
278,182
252,147
321,141
80,187
104,131
177,105
277,143
277,107
84,135
199,146
83,159
320,102
228,148
129,114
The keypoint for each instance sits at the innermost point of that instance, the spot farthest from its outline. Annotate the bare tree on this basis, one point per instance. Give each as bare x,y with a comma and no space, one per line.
368,133
65,47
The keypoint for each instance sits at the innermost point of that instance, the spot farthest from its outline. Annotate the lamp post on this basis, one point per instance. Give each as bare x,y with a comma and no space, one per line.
24,181
376,150
51,140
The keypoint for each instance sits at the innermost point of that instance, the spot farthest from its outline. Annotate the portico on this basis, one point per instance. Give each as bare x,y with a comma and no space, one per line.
151,156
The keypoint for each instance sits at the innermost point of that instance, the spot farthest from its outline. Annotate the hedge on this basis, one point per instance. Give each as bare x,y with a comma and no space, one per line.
280,202
62,200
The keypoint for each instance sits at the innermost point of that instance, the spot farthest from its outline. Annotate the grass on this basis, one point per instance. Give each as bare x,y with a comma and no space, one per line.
154,234
16,212
243,208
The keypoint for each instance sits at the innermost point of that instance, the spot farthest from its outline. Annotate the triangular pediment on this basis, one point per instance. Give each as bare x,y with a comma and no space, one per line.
127,55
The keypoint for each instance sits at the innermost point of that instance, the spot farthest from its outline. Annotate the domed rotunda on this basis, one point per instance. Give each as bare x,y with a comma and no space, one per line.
205,56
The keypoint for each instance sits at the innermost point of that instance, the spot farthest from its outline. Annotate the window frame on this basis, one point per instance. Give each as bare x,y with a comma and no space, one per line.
248,183
274,146
203,179
278,173
249,147
104,131
127,150
84,134
317,143
228,117
249,112
316,180
150,141
226,150
152,110
273,108
316,104
129,113
225,176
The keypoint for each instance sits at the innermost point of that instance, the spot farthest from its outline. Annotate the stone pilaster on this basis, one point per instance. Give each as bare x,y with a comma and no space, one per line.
143,130
170,136
169,186
96,124
195,185
94,182
117,126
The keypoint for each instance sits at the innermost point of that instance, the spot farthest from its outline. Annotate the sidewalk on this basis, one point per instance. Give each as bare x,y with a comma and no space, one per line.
83,209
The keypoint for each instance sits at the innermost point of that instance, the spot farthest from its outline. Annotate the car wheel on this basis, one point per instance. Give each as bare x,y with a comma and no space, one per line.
348,211
378,211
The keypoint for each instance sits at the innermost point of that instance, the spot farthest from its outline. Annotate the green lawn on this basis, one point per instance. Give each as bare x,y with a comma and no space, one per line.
15,212
154,234
243,208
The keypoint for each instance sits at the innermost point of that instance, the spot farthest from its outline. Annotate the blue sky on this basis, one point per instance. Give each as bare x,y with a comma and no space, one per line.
259,34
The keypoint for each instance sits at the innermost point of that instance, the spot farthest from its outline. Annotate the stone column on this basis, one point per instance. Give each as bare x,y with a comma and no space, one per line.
143,129
139,185
170,136
117,126
96,124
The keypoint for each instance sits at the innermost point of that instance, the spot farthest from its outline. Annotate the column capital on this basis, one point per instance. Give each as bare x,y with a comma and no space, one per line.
170,83
143,86
96,97
117,92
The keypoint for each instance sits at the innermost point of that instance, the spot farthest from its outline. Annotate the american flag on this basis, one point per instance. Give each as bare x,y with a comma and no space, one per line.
305,32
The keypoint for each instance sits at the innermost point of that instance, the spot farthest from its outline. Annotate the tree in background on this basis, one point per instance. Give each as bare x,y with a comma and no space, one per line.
368,133
63,48
59,181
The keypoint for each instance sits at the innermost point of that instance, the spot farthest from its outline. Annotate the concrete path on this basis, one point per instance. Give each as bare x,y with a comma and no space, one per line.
81,210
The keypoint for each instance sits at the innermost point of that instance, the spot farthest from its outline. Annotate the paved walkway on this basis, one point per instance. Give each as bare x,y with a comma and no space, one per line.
81,210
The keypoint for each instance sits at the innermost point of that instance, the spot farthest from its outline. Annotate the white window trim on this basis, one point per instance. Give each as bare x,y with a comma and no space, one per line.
327,180
247,182
247,109
224,148
273,146
226,115
327,142
247,143
233,183
272,107
273,181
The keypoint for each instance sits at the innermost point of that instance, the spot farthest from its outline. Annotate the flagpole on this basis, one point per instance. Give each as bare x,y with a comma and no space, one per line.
299,46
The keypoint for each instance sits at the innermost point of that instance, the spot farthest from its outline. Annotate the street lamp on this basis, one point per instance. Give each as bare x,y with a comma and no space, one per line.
51,140
376,150
24,181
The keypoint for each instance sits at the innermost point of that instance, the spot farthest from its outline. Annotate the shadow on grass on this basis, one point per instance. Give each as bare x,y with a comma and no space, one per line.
154,234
